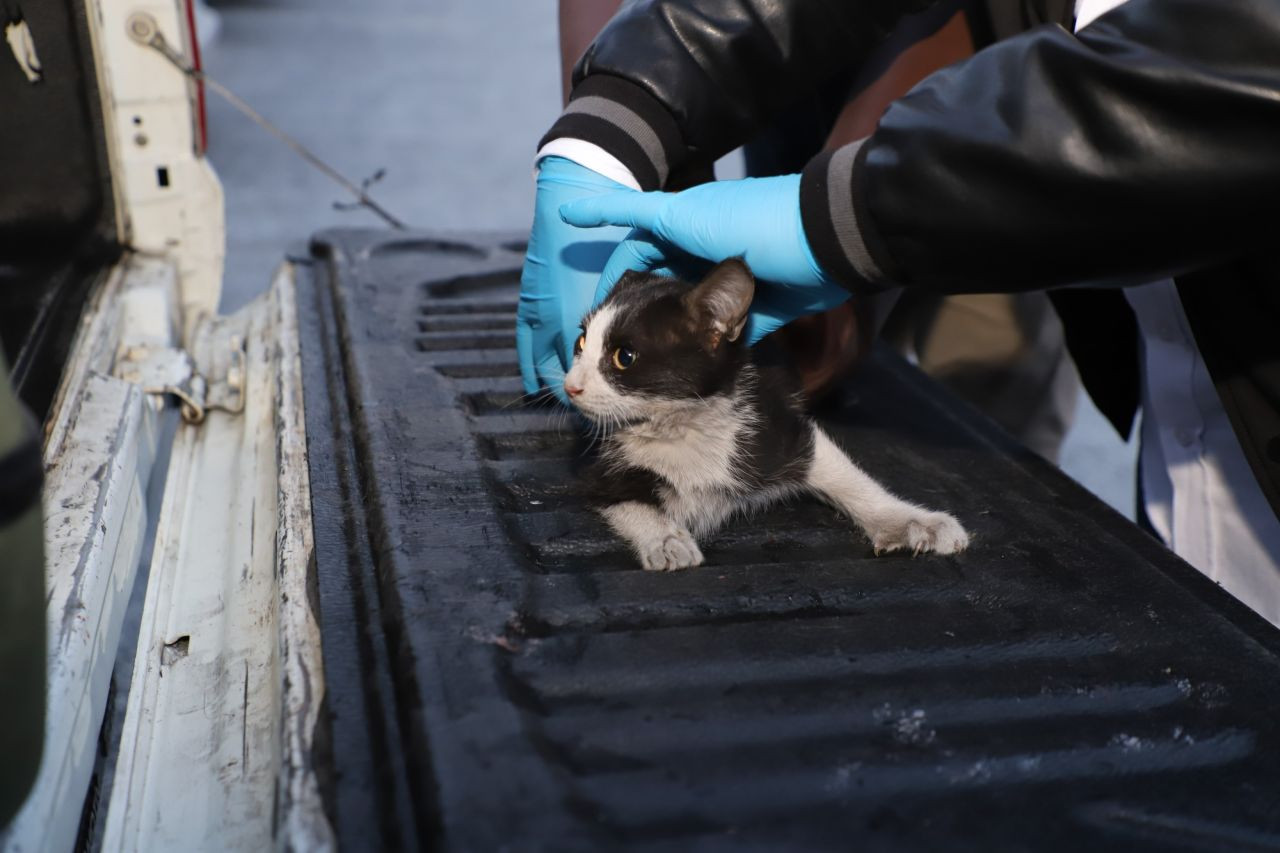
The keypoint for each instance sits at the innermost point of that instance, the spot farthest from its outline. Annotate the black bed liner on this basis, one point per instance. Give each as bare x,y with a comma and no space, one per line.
500,673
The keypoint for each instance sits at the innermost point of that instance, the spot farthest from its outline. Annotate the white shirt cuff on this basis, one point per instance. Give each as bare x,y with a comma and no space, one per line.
588,156
1087,11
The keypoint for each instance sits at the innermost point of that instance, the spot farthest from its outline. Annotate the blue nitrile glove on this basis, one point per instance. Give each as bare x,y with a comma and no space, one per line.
757,219
561,268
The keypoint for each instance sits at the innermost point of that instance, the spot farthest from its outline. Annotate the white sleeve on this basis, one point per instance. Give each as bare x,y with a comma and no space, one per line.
1088,10
588,156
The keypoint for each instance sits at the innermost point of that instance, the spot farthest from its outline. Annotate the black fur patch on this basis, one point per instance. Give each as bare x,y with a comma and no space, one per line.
673,362
778,448
606,484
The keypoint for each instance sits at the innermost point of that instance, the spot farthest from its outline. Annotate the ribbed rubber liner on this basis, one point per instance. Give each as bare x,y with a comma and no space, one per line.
501,674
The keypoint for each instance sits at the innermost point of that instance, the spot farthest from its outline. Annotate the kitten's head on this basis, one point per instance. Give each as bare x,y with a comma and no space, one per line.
656,341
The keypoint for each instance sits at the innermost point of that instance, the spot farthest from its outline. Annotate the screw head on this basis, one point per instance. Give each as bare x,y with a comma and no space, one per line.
142,27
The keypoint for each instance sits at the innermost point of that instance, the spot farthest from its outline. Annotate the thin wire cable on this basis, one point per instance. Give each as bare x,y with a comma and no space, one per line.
157,42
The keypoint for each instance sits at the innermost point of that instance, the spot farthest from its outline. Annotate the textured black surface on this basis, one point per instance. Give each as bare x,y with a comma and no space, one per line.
501,673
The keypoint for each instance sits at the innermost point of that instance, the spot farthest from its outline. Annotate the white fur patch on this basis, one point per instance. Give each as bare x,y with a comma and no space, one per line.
584,373
600,400
690,444
890,522
660,543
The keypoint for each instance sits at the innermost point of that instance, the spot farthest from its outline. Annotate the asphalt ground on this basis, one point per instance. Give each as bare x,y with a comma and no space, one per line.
448,98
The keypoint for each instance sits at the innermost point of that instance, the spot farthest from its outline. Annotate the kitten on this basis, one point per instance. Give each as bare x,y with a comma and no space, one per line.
696,431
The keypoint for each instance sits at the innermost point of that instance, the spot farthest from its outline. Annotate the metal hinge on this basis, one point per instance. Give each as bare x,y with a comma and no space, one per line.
166,371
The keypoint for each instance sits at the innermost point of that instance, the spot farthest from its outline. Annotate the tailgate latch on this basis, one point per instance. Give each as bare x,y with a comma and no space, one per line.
166,371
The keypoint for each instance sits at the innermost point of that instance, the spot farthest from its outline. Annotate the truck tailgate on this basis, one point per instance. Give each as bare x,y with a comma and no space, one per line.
500,672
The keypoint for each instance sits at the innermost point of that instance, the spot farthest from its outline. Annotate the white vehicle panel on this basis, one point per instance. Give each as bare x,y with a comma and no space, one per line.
211,715
95,517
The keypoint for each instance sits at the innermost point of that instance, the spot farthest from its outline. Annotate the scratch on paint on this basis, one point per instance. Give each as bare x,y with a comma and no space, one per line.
244,726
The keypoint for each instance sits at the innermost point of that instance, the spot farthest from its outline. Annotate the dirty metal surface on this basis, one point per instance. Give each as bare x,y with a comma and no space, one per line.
501,673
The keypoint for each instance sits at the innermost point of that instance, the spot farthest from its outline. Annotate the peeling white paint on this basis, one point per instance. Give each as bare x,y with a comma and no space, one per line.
114,322
99,451
95,519
302,822
229,677
215,748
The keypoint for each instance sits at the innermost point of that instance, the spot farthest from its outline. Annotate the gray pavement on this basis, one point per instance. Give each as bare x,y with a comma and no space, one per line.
450,98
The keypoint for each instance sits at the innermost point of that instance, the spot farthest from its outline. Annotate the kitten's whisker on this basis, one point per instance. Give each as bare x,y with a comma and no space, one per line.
564,420
525,398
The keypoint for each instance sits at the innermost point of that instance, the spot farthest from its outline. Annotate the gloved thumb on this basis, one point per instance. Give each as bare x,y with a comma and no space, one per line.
524,349
637,210
551,372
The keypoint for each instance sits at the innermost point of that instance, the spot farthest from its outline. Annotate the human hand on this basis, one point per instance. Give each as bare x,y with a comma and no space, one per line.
561,268
757,219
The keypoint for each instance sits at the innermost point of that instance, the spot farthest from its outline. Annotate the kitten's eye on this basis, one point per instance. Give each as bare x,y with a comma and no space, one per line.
624,357
578,346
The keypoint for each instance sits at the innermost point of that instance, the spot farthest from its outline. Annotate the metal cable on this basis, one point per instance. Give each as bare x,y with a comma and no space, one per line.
144,30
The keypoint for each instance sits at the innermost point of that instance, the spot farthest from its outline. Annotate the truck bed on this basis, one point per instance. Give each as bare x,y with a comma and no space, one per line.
500,672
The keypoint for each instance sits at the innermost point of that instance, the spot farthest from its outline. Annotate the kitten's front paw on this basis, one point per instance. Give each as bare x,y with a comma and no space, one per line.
675,551
921,530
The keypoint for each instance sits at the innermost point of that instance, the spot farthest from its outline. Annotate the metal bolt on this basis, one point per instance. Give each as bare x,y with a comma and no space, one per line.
142,27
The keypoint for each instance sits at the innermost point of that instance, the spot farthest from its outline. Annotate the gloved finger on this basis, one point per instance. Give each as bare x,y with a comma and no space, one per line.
637,210
763,322
776,305
551,372
770,311
524,353
639,253
587,256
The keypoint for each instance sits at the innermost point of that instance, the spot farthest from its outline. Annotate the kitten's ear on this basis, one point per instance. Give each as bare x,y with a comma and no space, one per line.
720,301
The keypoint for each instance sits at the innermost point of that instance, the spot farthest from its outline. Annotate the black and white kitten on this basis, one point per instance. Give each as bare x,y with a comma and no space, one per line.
695,431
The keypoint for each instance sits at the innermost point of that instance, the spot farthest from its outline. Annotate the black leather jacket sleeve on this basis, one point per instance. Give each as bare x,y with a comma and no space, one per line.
1145,146
674,83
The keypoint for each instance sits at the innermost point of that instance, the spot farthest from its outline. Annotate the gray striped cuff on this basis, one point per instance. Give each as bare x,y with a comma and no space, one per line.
834,224
627,122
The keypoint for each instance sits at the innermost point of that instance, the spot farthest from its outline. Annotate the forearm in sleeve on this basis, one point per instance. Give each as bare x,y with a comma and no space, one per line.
669,84
1141,147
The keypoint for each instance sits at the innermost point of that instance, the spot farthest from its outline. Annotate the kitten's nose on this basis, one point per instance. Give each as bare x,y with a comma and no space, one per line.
572,390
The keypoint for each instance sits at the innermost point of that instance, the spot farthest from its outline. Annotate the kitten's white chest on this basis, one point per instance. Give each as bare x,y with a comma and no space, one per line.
692,454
